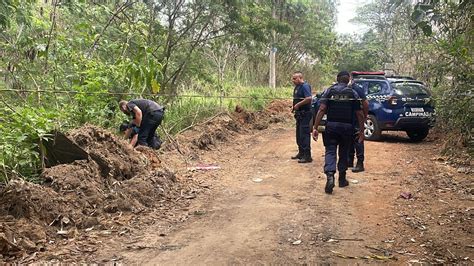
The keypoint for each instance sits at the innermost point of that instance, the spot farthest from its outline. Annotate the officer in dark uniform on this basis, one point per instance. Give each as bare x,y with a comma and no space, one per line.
302,108
340,103
147,116
356,147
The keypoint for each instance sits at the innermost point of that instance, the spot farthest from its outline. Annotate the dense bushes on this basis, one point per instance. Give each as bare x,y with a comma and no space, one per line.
22,127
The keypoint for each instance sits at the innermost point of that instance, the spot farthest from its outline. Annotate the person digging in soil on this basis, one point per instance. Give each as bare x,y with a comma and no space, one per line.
131,132
147,116
340,103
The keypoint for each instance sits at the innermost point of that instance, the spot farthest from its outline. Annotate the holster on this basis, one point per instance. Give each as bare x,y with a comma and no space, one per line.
299,114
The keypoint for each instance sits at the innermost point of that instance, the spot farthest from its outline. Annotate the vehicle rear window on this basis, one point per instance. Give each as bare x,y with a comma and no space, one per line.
409,89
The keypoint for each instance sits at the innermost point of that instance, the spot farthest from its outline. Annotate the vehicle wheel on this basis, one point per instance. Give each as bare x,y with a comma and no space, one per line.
418,134
371,129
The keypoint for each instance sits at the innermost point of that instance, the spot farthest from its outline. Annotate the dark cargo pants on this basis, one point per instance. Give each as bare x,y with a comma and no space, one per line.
303,132
356,148
337,138
147,134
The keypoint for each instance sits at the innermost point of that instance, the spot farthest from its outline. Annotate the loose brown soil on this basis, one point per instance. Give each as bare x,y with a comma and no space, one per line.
259,207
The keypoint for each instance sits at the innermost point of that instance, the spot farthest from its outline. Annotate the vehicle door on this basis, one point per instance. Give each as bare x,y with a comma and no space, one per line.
414,100
377,92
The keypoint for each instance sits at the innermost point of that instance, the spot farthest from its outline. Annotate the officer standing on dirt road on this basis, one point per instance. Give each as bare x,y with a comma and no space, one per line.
340,103
302,108
147,116
357,148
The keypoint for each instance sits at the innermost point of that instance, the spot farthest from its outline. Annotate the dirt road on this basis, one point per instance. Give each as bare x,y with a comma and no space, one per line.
264,208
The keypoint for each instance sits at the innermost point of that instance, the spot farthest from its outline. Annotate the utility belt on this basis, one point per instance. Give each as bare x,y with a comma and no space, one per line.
300,114
154,115
157,112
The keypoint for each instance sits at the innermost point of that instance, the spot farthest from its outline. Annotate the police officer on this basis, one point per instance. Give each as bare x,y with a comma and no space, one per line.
339,103
356,147
302,108
147,116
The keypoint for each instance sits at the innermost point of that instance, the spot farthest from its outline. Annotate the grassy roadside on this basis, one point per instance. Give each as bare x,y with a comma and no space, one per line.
23,125
195,107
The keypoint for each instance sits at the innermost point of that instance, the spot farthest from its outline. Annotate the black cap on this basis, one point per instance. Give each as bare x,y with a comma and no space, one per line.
124,126
343,73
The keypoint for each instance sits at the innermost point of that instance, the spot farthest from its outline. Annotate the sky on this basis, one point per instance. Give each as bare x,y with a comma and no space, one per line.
346,11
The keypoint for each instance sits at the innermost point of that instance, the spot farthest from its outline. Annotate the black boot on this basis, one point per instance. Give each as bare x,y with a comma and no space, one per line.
298,156
329,183
359,167
342,179
306,158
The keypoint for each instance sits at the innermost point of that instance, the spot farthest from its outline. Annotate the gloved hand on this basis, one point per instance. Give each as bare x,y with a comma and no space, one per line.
135,129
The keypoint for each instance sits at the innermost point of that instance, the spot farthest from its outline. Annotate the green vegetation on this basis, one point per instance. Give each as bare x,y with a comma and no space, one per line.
70,62
24,126
66,63
432,41
194,107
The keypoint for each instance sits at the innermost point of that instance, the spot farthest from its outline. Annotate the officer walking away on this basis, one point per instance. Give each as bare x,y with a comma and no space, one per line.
147,116
302,109
356,147
339,103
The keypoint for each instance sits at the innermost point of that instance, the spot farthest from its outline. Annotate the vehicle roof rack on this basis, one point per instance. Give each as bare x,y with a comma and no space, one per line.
368,75
401,77
407,81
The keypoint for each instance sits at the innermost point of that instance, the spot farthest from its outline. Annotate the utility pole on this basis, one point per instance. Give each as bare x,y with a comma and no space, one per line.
273,50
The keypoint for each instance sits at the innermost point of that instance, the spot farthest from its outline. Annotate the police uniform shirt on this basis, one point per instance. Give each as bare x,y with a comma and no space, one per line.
356,105
339,87
146,106
302,91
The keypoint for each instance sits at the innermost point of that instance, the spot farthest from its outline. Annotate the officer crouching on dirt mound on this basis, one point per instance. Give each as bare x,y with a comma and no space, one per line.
147,116
339,102
302,108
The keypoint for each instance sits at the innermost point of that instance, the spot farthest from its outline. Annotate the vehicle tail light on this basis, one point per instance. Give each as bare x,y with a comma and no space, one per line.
392,100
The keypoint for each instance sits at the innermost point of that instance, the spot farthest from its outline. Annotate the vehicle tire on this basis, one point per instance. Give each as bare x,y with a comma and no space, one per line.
371,129
417,135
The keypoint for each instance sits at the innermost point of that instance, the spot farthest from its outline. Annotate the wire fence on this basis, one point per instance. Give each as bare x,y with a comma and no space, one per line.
180,110
148,94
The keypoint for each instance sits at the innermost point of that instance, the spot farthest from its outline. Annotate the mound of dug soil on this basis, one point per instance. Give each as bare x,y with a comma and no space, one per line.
279,107
114,182
225,125
81,195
